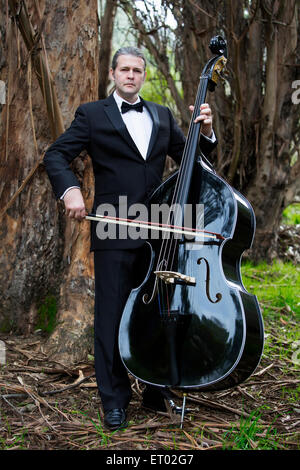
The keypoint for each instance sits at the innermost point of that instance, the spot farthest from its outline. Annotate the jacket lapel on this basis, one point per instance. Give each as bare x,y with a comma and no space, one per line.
154,114
112,111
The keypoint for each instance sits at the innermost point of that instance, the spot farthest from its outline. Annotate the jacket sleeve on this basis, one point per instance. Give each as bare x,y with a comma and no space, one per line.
62,152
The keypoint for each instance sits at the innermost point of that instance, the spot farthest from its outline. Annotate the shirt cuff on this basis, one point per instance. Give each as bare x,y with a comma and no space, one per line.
68,189
212,138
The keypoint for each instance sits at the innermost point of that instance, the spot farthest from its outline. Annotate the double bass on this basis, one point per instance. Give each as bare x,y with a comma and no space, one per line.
191,324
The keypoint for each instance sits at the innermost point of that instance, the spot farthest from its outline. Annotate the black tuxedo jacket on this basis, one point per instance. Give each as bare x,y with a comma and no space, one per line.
119,168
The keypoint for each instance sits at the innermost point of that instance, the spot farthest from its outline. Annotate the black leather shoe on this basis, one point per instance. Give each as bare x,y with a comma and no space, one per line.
115,419
155,399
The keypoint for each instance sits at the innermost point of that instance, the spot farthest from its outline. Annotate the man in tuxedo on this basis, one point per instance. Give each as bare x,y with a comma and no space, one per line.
128,147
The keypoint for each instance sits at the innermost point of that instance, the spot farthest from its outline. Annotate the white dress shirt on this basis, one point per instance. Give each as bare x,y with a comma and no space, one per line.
139,125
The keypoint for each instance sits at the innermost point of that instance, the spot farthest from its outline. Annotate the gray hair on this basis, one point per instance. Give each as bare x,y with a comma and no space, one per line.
127,51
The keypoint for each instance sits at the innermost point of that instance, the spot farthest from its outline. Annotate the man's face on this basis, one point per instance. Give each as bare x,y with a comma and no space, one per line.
129,76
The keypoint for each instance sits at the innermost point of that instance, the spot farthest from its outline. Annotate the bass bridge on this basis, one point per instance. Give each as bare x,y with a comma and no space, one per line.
172,277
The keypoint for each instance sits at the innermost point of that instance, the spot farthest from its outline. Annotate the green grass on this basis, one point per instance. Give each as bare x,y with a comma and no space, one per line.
104,436
251,435
291,214
277,287
291,395
12,440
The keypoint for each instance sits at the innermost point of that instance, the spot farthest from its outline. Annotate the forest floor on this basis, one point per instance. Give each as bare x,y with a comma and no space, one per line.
45,405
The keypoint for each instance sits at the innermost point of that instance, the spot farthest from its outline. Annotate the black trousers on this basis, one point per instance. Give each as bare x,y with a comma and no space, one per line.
117,272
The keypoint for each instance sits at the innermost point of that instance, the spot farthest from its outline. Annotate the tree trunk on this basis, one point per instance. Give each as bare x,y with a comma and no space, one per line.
106,35
273,179
42,253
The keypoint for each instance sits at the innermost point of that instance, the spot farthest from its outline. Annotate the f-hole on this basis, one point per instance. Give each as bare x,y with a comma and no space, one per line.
218,295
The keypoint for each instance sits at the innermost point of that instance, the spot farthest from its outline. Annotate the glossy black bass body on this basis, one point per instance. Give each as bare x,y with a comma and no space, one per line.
209,334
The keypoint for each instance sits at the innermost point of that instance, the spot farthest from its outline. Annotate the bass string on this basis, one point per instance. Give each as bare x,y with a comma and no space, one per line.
176,193
169,244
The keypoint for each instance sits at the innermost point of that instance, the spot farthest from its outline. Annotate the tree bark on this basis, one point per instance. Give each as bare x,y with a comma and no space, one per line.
273,180
41,252
38,58
106,35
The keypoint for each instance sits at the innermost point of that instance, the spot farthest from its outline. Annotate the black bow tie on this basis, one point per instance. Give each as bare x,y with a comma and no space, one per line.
136,107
